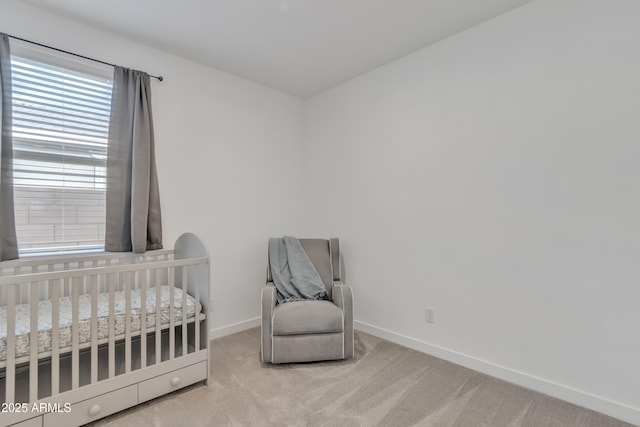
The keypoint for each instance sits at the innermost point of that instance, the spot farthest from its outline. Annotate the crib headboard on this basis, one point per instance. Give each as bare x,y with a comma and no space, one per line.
189,246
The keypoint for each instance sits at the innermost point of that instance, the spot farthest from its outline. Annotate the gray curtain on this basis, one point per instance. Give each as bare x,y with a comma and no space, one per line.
133,221
8,242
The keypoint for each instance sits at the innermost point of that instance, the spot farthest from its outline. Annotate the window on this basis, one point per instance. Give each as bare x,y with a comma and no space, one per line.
60,127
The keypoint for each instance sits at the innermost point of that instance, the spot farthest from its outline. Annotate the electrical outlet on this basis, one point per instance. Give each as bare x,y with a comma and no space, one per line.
429,315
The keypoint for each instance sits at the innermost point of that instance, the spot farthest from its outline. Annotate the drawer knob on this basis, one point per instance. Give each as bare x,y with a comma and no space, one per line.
175,381
95,410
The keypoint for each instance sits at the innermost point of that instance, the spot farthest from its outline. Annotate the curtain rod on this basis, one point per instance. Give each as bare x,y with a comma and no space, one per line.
160,78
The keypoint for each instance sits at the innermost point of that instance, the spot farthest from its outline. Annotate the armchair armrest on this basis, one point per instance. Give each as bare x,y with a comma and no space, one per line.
343,298
342,295
268,304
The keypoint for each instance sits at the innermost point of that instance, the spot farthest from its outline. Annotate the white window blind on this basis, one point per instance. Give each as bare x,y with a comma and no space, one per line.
60,129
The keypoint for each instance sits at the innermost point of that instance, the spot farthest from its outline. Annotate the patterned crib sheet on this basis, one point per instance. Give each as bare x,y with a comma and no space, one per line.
23,335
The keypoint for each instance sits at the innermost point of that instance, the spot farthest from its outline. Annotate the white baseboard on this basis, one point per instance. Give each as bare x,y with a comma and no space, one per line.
233,328
577,397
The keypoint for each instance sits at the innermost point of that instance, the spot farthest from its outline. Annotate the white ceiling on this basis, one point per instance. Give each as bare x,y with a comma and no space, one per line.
302,47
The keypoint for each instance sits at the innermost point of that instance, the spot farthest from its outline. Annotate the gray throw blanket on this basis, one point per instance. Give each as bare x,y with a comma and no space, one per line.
294,276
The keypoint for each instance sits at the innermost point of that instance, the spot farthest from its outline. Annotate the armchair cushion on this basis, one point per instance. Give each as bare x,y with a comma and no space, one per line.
307,317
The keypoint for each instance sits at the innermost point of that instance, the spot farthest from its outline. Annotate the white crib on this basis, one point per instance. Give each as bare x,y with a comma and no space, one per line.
85,336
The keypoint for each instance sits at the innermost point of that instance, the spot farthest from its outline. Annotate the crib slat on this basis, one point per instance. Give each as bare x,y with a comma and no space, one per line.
158,310
55,337
10,385
82,266
66,292
143,319
26,290
75,337
112,343
127,324
172,312
197,297
95,284
185,271
33,341
51,282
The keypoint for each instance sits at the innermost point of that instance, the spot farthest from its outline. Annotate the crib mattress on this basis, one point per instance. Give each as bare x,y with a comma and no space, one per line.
22,330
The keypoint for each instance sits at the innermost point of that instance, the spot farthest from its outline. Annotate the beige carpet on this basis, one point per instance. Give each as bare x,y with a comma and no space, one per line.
384,385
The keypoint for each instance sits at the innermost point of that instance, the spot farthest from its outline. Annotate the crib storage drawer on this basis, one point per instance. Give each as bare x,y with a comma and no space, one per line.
95,408
171,381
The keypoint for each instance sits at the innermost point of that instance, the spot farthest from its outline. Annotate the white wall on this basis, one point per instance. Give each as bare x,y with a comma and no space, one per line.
219,141
494,177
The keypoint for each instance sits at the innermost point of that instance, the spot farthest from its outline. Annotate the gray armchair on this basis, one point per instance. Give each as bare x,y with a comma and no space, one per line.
306,331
